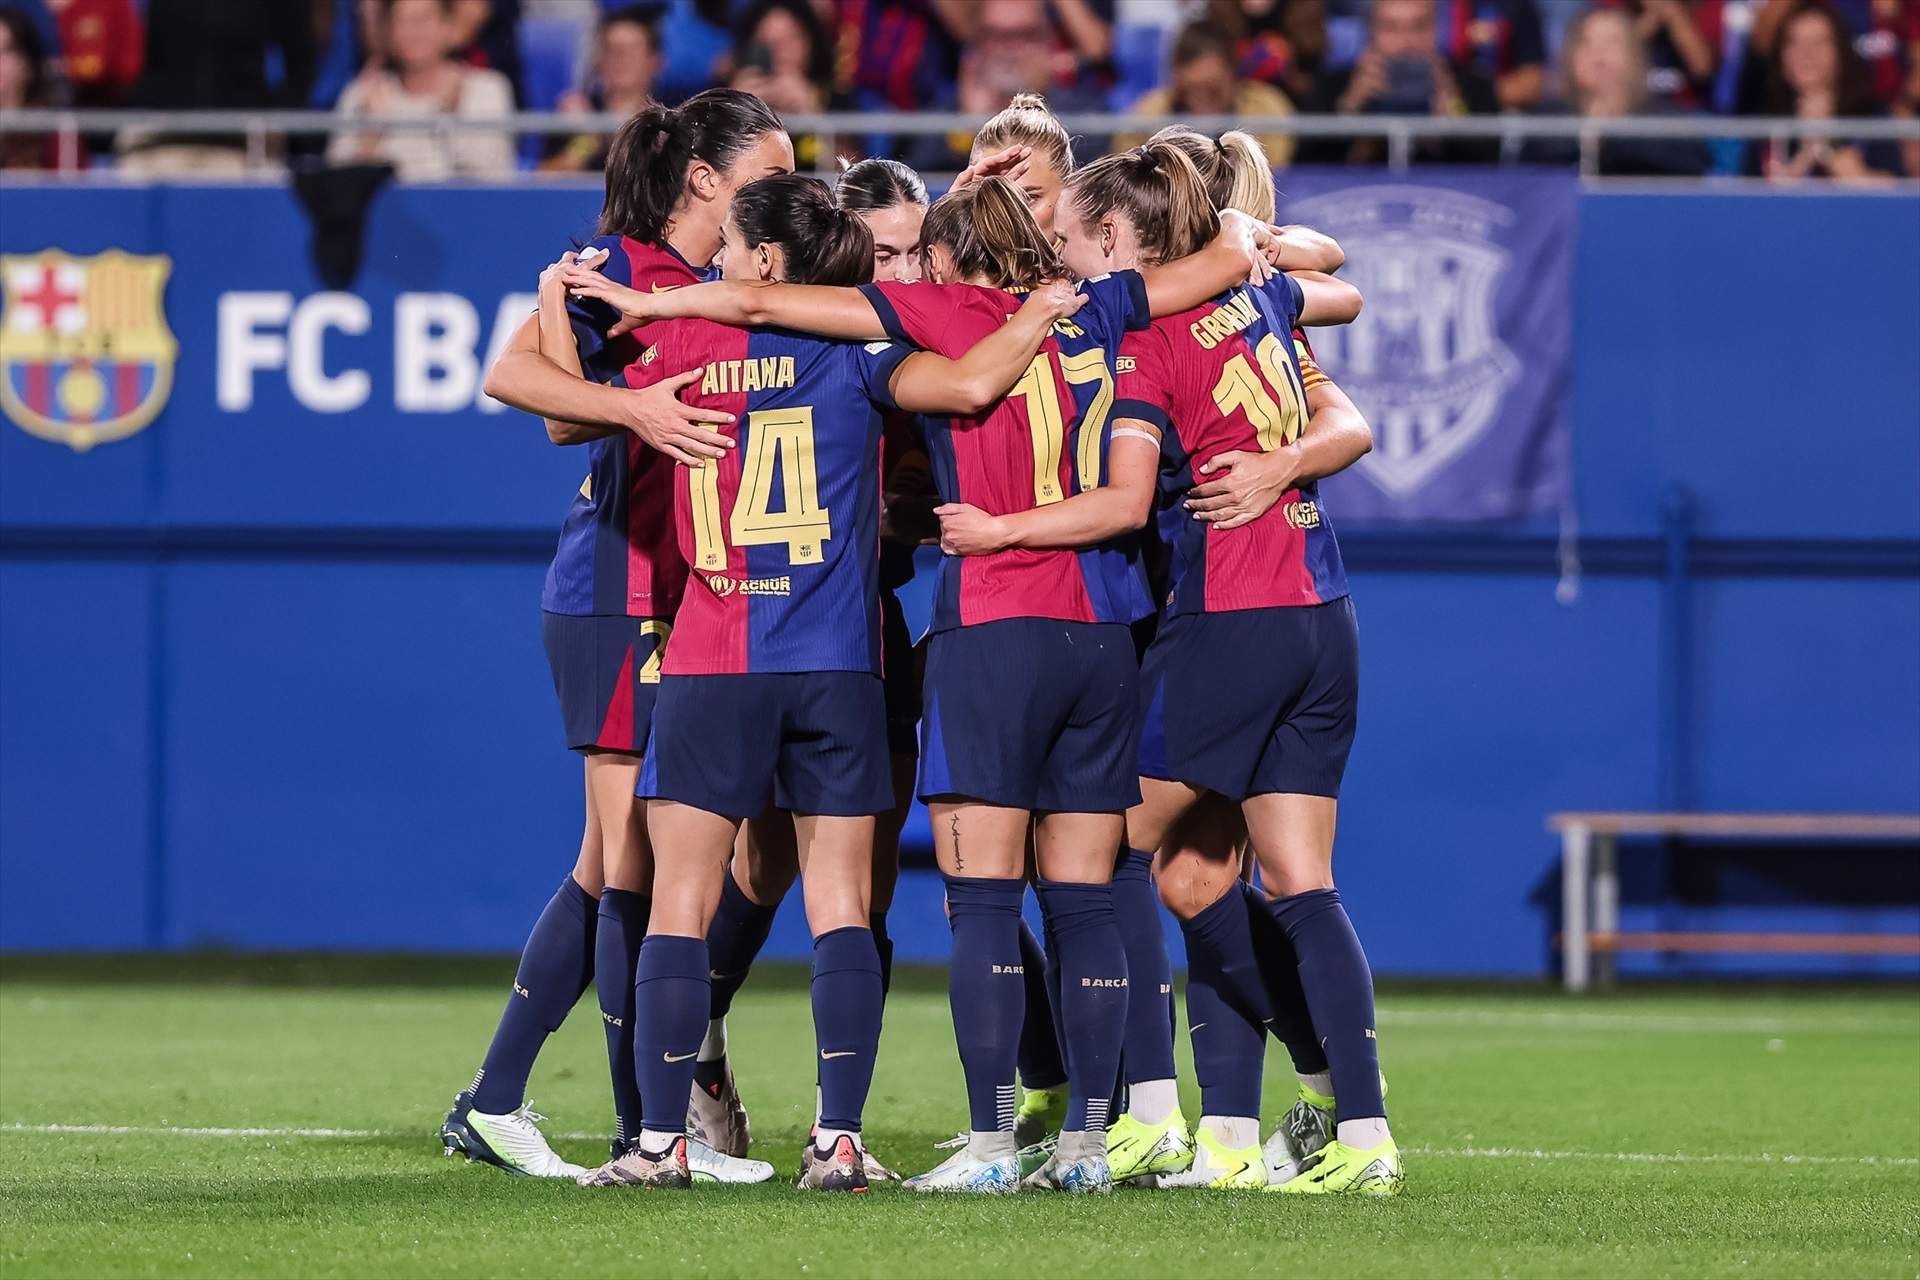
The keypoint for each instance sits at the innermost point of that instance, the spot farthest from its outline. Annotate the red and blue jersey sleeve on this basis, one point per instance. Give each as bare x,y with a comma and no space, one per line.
945,318
1116,303
1145,379
872,366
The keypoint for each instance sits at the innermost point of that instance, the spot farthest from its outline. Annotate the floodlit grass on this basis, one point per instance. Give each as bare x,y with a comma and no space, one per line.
1757,1132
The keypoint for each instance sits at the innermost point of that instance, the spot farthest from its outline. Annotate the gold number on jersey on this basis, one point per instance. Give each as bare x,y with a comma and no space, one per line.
1049,426
650,669
779,440
1275,422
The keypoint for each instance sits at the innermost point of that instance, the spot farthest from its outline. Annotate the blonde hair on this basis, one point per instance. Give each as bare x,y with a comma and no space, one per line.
1233,166
990,232
1157,186
1027,122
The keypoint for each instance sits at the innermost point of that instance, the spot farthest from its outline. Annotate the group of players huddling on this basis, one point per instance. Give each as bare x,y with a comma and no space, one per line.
1033,370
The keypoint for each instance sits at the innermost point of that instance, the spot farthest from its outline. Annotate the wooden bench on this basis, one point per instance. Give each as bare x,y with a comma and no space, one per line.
1590,885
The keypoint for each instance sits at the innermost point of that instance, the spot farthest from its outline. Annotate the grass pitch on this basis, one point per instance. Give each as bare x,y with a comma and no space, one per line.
163,1117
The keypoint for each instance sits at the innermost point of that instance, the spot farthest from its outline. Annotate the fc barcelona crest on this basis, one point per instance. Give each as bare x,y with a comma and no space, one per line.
85,352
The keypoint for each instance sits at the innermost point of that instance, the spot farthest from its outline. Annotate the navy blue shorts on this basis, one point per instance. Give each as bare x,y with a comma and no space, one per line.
605,671
1252,701
812,742
1032,713
902,666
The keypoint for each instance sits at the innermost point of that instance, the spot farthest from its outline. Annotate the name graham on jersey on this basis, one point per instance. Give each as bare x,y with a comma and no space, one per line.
1225,320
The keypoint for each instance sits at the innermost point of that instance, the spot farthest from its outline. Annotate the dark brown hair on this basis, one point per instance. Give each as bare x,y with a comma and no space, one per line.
1158,189
822,243
648,161
875,184
990,232
1852,95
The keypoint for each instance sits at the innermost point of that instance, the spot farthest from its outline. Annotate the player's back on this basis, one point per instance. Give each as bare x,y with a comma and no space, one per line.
1228,375
617,555
1042,442
782,533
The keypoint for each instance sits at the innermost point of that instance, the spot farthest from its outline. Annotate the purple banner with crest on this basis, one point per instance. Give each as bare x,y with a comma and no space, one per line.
1462,359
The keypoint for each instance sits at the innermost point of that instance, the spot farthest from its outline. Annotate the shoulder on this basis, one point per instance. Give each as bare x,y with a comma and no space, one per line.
484,91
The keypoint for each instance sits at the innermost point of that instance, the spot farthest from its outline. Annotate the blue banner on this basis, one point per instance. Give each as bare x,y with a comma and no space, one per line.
1461,360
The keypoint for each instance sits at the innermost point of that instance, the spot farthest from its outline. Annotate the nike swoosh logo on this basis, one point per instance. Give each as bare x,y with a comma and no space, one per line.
680,1058
1195,1027
844,1053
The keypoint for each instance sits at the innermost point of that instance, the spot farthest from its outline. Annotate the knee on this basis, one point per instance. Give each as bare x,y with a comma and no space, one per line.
764,880
588,877
1187,889
1286,882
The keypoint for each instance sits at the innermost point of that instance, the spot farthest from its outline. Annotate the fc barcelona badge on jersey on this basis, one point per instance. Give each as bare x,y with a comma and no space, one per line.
85,352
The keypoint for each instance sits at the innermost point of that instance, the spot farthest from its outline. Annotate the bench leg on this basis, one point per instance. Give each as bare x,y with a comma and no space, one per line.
1606,902
1575,863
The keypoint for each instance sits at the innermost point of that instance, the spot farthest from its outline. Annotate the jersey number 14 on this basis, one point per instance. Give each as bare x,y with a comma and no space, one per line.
779,442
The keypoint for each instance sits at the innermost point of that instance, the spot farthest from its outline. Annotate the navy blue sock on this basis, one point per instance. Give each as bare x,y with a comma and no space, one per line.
1228,1045
1136,905
1041,1064
883,946
739,929
1093,994
555,967
1339,987
847,992
670,1016
616,953
1281,969
988,997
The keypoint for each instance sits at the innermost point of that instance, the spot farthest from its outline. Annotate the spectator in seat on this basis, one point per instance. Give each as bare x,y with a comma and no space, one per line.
212,54
1815,74
1280,42
1604,69
25,81
1400,72
421,78
1886,35
1502,40
100,45
783,56
626,62
1204,82
1683,47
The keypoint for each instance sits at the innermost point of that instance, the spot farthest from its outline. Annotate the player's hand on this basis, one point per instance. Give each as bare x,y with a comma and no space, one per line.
1058,299
968,531
585,282
1243,486
686,433
1253,237
1297,248
553,276
1010,163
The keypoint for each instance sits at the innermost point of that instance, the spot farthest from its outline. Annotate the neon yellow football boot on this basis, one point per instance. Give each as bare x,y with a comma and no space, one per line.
1042,1111
1135,1149
1219,1167
1338,1169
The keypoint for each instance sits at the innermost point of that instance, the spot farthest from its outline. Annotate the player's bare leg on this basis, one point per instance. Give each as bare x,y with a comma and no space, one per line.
1292,838
981,851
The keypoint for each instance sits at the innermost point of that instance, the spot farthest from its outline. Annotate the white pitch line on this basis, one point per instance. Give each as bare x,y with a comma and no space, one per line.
1461,1153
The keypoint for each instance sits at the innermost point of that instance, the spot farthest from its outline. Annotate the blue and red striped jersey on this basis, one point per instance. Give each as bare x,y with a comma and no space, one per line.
616,553
1045,440
1230,374
783,534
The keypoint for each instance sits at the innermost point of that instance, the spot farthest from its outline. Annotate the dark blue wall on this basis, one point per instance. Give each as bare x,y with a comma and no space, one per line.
272,678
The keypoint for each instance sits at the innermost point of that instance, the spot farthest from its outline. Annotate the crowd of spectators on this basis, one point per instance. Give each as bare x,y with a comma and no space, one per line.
1265,61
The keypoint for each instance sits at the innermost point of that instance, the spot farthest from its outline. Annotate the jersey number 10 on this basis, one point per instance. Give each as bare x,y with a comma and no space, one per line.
778,441
1049,426
1275,423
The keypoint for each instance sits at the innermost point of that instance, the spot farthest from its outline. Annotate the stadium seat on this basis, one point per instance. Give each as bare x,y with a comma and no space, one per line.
1139,63
549,66
1346,36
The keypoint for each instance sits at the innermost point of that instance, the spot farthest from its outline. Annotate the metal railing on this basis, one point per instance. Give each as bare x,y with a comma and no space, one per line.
1401,133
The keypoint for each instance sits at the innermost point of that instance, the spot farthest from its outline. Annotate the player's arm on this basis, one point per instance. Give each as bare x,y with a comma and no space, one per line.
1325,300
1118,506
1298,248
829,311
930,383
554,333
1242,486
1232,257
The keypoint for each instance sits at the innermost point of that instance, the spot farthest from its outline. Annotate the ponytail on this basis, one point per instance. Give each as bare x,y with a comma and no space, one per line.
1158,189
1236,171
821,242
990,232
648,160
